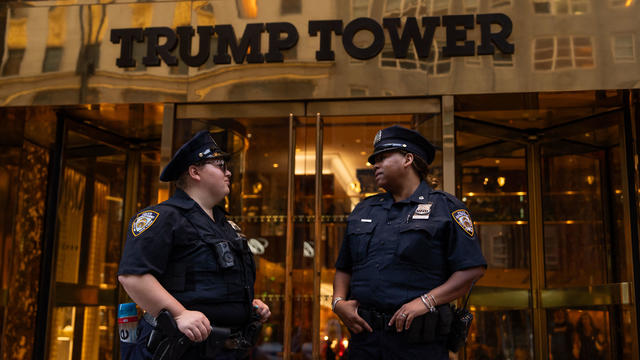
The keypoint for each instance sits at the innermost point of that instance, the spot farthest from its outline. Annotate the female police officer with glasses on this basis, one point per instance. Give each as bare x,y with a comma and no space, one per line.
184,256
406,254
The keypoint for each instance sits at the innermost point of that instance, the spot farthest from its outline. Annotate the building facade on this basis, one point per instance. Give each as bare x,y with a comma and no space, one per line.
532,104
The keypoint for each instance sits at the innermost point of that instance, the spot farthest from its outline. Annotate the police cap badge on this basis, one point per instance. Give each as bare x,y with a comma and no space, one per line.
200,146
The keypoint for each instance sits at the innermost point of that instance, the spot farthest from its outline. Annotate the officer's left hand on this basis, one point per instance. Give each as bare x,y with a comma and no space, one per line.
262,309
411,310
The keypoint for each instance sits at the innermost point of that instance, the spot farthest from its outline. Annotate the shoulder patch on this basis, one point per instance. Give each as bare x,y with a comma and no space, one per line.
463,219
143,221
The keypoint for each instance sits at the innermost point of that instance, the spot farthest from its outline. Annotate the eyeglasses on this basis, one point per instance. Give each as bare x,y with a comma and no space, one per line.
219,163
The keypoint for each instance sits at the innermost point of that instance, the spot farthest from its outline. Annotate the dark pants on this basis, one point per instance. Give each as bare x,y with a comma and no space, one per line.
385,343
388,345
138,351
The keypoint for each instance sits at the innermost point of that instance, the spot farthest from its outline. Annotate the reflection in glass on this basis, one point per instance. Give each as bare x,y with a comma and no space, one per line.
563,52
495,190
557,7
88,241
581,334
624,48
500,335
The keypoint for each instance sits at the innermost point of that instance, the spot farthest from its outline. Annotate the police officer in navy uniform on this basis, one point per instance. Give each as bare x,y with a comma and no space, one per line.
184,256
406,254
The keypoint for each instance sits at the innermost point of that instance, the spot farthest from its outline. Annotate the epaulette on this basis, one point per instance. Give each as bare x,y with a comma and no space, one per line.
452,199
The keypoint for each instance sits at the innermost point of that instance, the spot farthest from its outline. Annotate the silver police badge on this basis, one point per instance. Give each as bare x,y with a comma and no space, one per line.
143,221
377,138
463,219
423,211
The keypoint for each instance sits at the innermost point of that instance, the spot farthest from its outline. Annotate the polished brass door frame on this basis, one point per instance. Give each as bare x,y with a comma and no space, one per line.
317,243
536,238
288,284
631,188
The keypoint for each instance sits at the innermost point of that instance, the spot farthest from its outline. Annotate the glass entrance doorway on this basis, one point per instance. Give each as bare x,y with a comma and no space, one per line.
544,183
298,171
109,161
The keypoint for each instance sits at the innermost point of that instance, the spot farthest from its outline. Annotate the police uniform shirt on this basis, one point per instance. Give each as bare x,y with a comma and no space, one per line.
173,242
397,251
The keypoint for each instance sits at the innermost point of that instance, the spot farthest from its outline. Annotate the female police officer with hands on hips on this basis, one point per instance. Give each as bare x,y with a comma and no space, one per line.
406,254
184,256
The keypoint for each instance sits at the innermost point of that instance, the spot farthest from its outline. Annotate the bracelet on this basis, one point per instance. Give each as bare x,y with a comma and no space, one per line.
427,303
335,302
435,303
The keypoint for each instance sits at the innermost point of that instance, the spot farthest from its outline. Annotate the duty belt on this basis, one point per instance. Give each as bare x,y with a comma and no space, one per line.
376,319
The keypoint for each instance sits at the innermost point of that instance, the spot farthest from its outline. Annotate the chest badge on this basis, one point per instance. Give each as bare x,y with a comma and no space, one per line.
143,221
422,212
463,219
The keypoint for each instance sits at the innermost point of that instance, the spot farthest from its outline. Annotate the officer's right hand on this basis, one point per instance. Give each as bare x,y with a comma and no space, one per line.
194,325
347,310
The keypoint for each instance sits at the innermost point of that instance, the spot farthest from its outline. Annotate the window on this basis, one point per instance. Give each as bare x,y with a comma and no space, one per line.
502,60
620,3
495,4
623,48
52,59
471,6
358,91
291,7
435,64
392,8
417,8
438,7
359,8
12,65
565,52
473,61
561,7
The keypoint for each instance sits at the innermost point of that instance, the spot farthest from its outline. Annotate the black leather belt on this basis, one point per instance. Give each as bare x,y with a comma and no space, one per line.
376,319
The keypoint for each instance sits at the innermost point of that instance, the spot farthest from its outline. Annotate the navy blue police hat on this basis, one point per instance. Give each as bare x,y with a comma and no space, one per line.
399,138
200,147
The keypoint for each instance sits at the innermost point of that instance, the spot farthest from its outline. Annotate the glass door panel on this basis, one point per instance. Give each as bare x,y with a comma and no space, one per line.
304,237
492,180
584,261
88,248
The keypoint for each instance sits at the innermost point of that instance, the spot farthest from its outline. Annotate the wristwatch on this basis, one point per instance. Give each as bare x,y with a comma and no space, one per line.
335,301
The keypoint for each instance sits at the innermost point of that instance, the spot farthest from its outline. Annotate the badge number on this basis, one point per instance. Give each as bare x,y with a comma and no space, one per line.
143,221
463,219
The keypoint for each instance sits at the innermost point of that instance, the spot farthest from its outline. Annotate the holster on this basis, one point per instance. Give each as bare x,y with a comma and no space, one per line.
241,341
166,342
431,327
